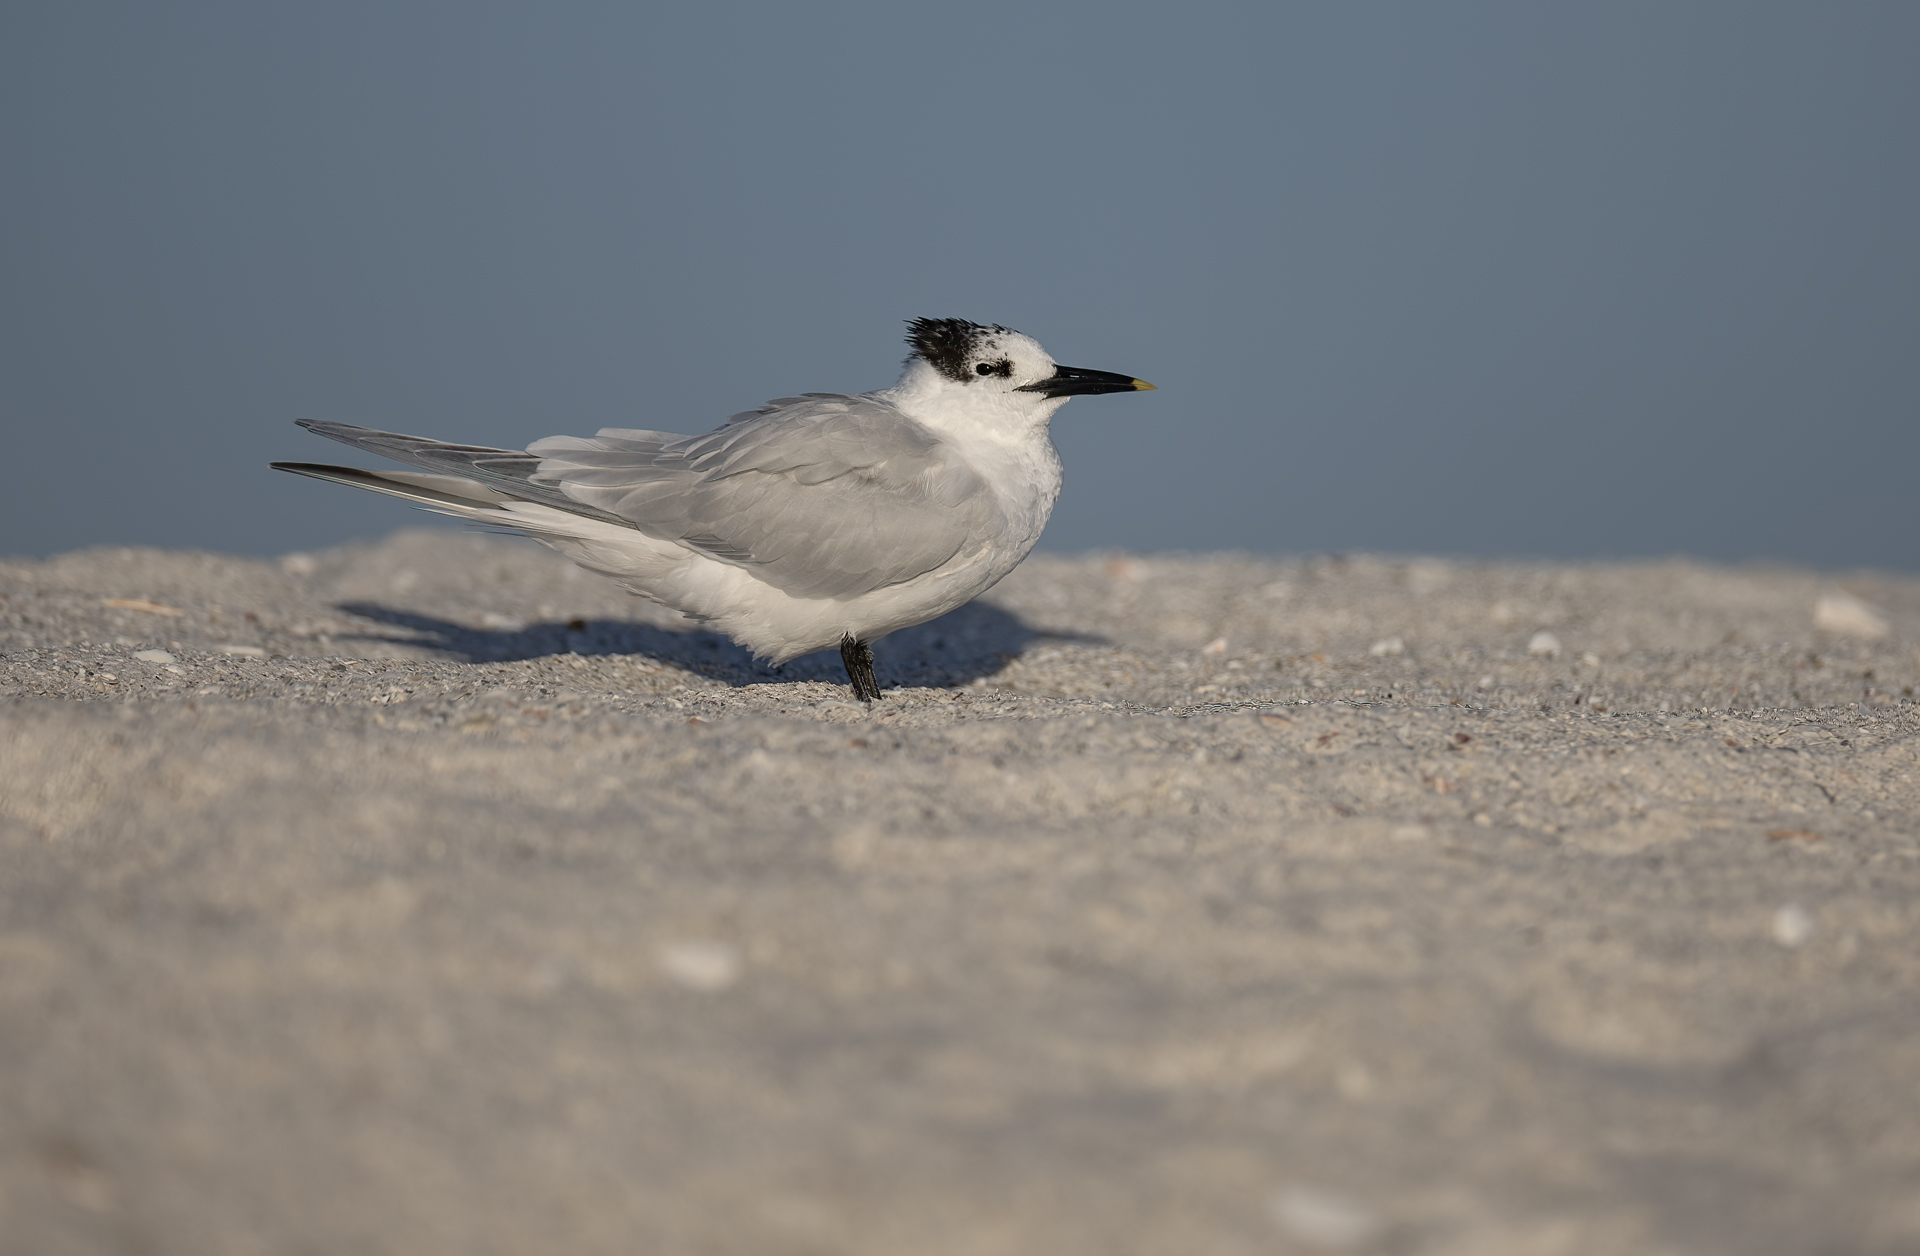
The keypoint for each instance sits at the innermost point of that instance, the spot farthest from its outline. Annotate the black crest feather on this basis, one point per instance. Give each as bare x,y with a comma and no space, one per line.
947,344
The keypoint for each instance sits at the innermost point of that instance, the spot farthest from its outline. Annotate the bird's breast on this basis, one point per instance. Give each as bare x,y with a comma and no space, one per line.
1024,481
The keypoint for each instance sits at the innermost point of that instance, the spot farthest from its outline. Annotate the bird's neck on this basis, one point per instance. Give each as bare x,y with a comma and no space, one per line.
968,414
1002,436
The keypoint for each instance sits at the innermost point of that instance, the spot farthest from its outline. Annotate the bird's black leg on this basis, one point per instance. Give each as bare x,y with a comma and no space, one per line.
858,657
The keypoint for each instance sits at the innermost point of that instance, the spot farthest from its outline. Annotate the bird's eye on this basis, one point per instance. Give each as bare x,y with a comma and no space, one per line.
985,368
1004,367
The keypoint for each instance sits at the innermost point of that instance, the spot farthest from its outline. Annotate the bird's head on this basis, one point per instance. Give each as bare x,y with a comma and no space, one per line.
959,362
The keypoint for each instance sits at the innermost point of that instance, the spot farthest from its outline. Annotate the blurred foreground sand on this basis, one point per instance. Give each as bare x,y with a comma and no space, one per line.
434,896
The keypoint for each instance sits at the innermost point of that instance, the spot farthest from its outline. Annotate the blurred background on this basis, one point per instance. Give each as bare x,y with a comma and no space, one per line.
1501,279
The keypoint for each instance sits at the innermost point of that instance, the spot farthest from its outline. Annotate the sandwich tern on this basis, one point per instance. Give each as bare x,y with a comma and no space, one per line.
819,520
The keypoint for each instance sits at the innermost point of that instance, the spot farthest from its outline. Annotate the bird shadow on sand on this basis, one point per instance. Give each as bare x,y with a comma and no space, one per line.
961,646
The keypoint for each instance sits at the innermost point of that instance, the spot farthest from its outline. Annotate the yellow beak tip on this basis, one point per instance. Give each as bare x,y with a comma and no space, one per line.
1141,385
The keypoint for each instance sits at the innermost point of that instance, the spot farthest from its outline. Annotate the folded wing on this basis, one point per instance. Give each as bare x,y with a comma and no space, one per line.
825,496
821,496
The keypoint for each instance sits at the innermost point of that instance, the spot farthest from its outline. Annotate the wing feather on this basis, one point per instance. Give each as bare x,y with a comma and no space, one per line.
822,496
826,496
508,471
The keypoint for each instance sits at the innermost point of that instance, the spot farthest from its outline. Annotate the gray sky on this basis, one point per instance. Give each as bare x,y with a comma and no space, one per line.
1569,280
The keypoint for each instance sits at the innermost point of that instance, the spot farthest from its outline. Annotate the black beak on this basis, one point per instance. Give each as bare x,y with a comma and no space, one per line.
1076,381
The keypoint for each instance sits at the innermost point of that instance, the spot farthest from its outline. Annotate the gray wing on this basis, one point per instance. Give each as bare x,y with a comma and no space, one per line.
508,471
826,496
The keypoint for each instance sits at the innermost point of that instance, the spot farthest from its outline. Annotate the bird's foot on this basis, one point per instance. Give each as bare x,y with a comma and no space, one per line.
858,657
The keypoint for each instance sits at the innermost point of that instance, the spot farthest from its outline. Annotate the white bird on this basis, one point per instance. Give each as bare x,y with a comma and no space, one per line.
819,520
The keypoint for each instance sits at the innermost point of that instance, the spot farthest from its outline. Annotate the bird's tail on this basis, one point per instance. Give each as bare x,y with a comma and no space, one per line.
448,494
493,486
465,499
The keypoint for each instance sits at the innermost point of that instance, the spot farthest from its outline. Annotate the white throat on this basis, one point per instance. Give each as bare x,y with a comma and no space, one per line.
1001,433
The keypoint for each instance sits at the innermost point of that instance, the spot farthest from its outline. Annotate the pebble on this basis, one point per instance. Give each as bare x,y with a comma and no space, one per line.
140,604
1387,645
1322,1218
1848,616
1792,926
705,966
1545,644
154,656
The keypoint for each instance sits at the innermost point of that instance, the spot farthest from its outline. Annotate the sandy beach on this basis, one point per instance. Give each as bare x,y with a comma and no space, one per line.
435,896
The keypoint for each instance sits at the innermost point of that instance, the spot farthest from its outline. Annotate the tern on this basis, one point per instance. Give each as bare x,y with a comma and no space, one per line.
827,519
